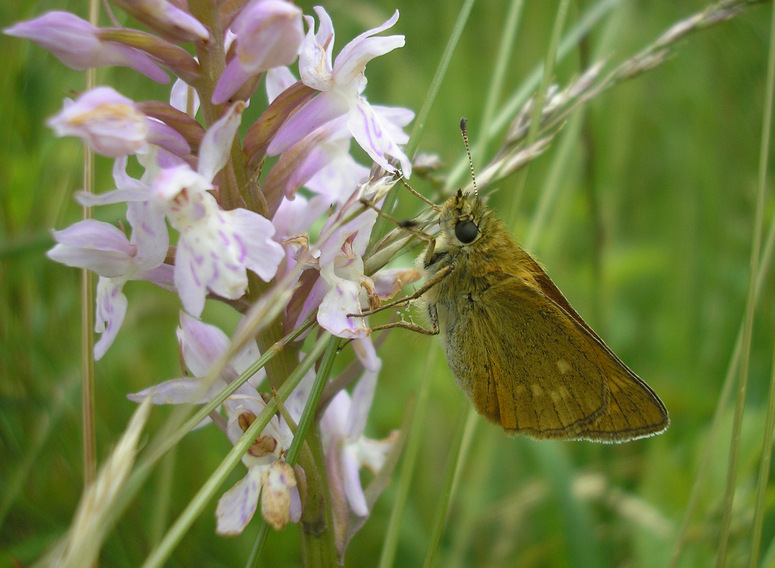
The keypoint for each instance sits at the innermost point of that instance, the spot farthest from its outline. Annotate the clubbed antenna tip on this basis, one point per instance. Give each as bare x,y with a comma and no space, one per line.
464,132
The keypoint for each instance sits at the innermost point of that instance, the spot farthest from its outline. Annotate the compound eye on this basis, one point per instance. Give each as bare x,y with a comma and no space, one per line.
466,232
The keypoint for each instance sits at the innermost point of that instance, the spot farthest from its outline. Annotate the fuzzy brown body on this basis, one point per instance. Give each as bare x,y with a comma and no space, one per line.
524,357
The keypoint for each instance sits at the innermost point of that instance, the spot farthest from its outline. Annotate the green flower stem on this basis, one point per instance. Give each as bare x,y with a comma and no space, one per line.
208,490
316,535
764,475
314,513
317,544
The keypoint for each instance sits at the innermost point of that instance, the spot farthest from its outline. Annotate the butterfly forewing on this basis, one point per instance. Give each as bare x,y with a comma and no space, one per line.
510,375
561,382
634,410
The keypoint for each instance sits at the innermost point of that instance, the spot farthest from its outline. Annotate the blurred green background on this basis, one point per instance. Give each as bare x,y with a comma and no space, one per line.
649,239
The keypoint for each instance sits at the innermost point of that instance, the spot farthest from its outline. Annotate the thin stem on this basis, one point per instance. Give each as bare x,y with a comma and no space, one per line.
430,98
460,445
310,408
723,399
510,27
438,77
163,496
750,306
87,308
411,453
764,469
258,545
538,106
769,429
764,474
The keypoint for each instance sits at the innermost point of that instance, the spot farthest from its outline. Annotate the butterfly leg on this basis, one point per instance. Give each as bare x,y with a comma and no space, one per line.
403,301
411,326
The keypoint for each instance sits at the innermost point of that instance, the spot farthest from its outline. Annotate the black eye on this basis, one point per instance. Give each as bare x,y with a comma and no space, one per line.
466,232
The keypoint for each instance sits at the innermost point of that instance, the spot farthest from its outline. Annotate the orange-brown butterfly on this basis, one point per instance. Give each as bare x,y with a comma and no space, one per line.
524,357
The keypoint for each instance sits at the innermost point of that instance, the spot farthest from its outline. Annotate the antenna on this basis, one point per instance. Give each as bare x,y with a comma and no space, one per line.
464,132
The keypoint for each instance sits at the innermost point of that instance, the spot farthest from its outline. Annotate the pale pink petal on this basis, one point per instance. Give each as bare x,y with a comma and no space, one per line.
190,287
277,80
366,353
312,300
262,254
233,77
296,402
296,216
162,276
335,419
93,245
74,42
339,178
301,162
109,313
110,197
360,226
268,34
352,482
179,97
183,24
315,56
342,299
294,510
323,108
371,134
355,55
238,505
169,183
363,395
178,391
217,142
149,234
167,137
394,119
200,343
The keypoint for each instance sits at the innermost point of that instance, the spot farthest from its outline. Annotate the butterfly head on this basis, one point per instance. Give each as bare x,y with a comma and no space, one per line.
463,219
